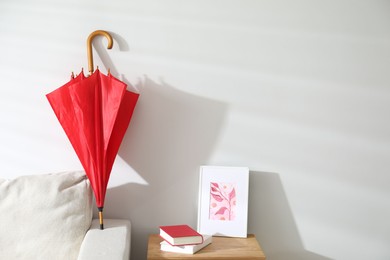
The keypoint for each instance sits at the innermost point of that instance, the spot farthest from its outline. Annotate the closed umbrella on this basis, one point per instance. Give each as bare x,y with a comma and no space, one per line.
95,112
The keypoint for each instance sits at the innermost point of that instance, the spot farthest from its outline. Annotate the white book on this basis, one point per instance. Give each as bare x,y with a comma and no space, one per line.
188,249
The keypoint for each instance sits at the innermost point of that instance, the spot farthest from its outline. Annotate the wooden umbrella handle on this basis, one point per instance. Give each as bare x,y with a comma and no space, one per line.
89,46
101,217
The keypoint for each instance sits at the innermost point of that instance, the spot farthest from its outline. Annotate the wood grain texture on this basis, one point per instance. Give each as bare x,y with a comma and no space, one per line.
221,248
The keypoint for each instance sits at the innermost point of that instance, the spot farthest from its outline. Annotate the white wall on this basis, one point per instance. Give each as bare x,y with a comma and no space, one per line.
298,91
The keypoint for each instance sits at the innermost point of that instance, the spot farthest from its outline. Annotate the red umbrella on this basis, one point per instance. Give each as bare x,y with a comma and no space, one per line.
95,112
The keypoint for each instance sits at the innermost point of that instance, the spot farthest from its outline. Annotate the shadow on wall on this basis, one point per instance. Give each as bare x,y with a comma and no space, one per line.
271,219
171,134
100,45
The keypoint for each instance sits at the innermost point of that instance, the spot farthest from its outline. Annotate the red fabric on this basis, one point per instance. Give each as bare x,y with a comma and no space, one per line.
94,112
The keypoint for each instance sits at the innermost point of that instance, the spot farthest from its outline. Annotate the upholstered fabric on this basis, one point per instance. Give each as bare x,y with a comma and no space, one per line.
44,216
112,243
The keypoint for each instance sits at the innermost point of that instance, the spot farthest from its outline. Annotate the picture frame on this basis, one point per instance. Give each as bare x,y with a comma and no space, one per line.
223,201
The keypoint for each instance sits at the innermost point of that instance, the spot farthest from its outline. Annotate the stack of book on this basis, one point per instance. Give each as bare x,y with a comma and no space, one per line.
182,239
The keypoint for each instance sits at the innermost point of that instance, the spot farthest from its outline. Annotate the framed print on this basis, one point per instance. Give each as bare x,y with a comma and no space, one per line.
223,201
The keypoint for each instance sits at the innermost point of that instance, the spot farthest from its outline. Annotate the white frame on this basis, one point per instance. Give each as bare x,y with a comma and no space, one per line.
223,174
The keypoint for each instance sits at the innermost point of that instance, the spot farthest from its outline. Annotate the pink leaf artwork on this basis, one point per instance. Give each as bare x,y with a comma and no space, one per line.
222,201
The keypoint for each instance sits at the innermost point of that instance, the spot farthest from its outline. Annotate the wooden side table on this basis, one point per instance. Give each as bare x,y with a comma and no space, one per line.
221,248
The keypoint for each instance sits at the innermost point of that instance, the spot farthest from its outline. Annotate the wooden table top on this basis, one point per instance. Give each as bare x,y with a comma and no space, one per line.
220,248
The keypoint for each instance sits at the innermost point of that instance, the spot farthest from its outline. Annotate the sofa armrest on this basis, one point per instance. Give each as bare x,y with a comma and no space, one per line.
111,243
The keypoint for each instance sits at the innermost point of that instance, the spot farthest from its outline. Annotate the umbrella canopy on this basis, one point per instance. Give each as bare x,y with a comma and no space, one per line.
94,112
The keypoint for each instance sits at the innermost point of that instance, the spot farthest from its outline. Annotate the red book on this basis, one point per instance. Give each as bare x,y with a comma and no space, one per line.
180,235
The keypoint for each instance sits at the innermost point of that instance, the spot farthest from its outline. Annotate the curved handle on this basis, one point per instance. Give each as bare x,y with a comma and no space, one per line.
89,46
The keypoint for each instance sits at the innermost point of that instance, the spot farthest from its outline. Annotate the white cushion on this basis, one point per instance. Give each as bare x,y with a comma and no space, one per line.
44,216
112,243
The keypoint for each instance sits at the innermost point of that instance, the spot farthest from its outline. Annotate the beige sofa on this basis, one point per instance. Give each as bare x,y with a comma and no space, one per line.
49,217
